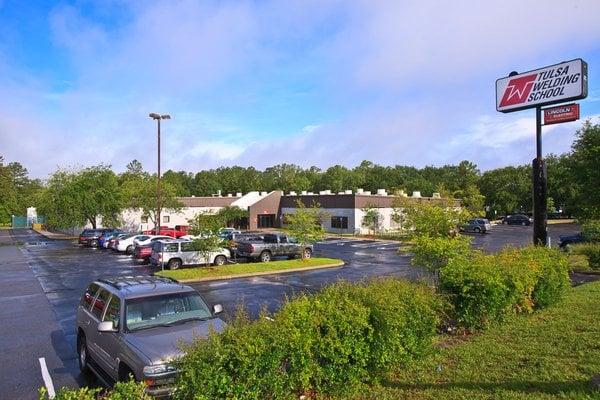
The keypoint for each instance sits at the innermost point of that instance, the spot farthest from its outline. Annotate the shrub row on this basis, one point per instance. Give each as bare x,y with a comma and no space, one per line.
485,288
591,251
121,391
329,343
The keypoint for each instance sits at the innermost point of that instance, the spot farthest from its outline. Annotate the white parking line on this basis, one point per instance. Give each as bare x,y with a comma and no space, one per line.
47,379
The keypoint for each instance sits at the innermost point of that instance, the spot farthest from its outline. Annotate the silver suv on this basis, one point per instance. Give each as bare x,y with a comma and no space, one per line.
133,326
174,254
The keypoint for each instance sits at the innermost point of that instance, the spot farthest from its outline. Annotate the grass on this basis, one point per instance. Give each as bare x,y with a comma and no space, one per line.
246,268
550,354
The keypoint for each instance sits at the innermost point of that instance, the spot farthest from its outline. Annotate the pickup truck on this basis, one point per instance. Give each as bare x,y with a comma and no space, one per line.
177,232
272,245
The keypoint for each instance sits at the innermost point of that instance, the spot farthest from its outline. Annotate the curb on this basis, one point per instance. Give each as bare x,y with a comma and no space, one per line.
586,272
55,236
251,274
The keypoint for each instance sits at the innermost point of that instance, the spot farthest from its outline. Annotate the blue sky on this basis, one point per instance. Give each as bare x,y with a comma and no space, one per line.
265,82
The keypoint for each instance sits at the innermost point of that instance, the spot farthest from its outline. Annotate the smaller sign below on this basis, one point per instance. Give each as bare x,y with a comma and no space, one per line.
566,113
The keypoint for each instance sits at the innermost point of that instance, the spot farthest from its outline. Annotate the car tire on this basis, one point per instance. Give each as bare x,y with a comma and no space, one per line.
129,249
477,229
82,354
524,223
94,243
174,264
220,260
504,222
307,253
125,373
265,256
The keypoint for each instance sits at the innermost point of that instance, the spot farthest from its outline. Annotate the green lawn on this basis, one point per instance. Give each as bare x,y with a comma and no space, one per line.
546,355
246,268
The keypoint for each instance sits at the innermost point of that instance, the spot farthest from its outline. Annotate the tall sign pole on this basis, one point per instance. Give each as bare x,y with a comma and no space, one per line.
534,89
540,184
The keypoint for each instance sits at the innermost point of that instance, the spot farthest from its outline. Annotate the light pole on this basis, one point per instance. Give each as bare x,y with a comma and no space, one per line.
158,117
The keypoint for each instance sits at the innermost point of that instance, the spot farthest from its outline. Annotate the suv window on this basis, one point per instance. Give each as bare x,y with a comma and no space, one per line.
187,246
88,297
100,303
270,239
283,239
171,247
112,311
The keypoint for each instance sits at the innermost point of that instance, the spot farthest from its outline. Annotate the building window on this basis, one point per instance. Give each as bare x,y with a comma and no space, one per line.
145,219
166,219
266,221
339,222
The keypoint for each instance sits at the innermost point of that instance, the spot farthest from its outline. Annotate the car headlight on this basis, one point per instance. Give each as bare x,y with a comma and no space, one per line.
157,369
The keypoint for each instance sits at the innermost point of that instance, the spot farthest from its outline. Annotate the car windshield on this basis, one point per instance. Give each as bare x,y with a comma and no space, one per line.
164,310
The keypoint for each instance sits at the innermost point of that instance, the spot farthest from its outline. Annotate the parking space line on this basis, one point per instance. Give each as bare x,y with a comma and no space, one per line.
47,378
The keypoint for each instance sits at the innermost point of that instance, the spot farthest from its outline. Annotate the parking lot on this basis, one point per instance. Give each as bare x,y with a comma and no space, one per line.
63,269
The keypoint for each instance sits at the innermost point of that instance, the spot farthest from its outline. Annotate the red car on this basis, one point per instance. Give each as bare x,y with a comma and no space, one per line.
177,232
143,253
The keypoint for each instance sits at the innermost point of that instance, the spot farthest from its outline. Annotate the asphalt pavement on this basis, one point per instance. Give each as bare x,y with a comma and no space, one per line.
42,280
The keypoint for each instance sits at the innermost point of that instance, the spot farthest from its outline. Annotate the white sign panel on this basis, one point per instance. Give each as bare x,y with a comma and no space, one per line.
549,85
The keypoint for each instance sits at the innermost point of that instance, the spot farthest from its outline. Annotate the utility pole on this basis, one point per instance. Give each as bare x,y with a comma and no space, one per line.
158,117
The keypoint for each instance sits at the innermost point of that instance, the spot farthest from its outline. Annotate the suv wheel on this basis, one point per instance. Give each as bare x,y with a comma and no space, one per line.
94,243
523,223
265,256
82,353
307,253
220,260
174,264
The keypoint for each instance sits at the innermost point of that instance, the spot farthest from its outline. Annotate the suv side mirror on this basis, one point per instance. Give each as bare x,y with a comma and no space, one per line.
106,326
217,309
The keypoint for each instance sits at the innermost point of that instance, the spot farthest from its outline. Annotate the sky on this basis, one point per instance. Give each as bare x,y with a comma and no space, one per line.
258,83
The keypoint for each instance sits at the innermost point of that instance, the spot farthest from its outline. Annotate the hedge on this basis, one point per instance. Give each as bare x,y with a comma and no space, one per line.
591,251
330,343
485,288
121,391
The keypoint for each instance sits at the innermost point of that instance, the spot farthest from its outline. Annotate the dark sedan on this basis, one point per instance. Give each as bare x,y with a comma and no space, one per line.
517,219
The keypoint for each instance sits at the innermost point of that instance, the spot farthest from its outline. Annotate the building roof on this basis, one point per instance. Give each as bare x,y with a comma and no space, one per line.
207,201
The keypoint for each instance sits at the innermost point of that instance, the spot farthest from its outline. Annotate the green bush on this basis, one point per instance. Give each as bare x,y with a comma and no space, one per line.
486,288
130,390
553,279
591,251
591,230
434,253
330,343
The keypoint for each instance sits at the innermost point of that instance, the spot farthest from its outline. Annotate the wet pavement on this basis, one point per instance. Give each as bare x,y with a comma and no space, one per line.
63,270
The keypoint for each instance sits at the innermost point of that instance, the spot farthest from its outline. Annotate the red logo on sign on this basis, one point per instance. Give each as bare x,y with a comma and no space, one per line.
517,91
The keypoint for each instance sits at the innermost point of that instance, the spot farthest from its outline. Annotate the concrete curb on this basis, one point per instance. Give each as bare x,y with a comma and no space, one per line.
53,235
586,272
251,274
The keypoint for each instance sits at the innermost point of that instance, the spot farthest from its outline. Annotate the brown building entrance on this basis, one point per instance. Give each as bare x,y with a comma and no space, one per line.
266,220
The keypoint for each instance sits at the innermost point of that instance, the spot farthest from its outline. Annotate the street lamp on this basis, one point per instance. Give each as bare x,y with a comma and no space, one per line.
158,117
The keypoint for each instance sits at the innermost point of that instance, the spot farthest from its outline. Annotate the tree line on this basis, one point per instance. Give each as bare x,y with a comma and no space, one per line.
80,195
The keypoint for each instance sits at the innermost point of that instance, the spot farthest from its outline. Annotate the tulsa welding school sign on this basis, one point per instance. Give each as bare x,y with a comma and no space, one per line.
549,85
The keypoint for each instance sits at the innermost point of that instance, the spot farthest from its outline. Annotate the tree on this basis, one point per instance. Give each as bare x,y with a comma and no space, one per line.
371,218
73,198
139,194
232,214
585,170
439,219
305,224
206,227
507,189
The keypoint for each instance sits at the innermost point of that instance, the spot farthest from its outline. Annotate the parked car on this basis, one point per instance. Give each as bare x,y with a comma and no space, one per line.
477,225
175,254
149,239
142,253
112,242
135,326
88,235
126,244
517,219
177,232
272,245
106,236
566,240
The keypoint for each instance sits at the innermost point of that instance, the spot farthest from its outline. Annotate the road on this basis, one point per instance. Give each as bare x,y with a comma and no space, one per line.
60,270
